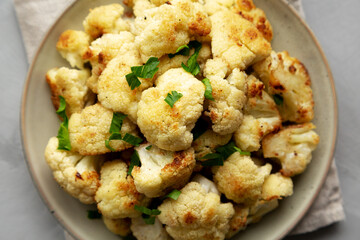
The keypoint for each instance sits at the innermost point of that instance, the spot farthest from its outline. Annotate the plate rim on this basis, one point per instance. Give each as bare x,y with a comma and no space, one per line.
67,227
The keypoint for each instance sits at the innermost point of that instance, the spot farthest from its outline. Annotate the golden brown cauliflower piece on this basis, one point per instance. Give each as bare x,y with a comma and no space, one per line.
276,186
208,142
71,84
261,117
239,221
89,129
292,146
196,214
287,76
105,19
72,45
166,127
76,174
237,41
162,170
117,195
120,226
143,231
115,92
103,50
240,179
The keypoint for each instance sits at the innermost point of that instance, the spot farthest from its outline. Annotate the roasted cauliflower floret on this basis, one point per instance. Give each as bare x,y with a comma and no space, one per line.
196,214
261,117
105,19
287,77
276,186
260,209
76,174
117,195
214,6
120,226
216,67
206,184
292,146
208,142
166,127
143,231
72,45
89,129
240,179
103,50
225,111
162,170
239,221
114,90
71,84
237,41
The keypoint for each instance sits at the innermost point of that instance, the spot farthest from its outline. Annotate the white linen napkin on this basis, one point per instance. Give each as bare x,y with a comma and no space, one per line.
36,16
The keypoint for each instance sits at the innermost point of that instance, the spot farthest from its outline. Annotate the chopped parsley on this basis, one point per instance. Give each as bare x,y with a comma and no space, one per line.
182,50
93,214
172,98
148,215
133,140
173,195
208,89
147,70
135,161
192,66
278,99
148,147
63,133
115,128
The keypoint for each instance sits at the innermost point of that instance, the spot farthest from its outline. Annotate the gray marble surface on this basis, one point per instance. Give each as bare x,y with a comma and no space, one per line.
336,23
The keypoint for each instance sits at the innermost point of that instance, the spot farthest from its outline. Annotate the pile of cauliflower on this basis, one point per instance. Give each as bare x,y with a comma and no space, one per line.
179,121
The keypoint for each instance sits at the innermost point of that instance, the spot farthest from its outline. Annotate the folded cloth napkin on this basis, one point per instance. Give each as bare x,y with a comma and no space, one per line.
36,16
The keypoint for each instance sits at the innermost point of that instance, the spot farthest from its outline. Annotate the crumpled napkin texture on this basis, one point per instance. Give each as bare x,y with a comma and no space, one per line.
36,16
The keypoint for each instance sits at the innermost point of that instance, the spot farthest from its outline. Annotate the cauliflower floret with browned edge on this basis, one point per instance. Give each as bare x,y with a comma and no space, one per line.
117,195
276,186
261,117
114,90
238,79
89,129
196,214
240,179
287,76
239,221
120,226
214,6
225,111
71,84
76,174
169,127
103,50
105,19
237,41
292,146
143,231
208,142
72,45
161,170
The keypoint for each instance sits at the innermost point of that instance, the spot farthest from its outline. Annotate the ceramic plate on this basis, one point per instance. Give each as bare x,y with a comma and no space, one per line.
39,122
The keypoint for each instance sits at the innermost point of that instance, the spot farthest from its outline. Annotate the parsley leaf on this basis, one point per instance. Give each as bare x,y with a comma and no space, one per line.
213,162
147,214
173,195
63,133
135,161
182,50
208,89
192,66
114,136
148,147
133,140
172,98
145,71
278,99
93,214
242,152
222,153
116,122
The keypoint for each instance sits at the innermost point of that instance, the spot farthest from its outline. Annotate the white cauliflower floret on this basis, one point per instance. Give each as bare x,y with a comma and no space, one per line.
206,184
120,226
276,186
240,179
292,146
72,45
260,209
117,195
75,173
89,129
261,117
214,6
105,19
139,6
166,127
162,170
71,84
208,142
287,76
239,221
238,79
103,50
216,67
143,231
196,214
114,90
225,111
237,41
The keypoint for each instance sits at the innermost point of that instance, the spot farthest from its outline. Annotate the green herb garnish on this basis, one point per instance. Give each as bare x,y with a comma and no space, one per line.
63,133
174,194
242,152
93,214
172,98
147,214
146,71
278,99
192,66
208,89
135,161
133,140
115,128
148,147
182,50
